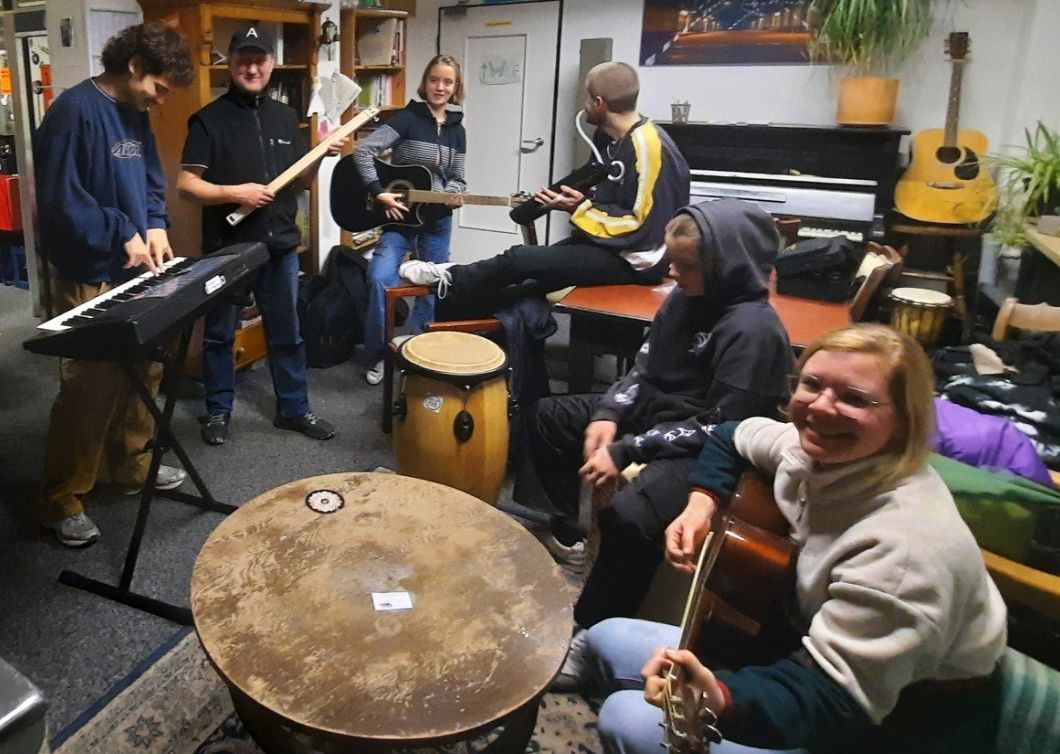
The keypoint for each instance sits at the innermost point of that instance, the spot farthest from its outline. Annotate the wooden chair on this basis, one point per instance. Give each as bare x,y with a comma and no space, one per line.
885,263
1013,314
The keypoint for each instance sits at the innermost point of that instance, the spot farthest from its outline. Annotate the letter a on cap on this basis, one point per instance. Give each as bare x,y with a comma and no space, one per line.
252,32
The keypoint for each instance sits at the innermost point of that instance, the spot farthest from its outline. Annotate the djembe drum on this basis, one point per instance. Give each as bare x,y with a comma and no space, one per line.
920,313
452,415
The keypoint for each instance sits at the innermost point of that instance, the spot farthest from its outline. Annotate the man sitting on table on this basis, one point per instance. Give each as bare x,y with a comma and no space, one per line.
617,227
716,352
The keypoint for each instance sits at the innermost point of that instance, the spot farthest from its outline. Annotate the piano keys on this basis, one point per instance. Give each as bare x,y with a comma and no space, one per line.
837,181
129,319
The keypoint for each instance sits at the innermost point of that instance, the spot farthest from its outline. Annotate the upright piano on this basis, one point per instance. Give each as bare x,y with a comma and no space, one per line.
836,180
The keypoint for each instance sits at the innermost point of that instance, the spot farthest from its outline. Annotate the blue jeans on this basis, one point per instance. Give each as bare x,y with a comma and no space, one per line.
618,649
432,245
276,294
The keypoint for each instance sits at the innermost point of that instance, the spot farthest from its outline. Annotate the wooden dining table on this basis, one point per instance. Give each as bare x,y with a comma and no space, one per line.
613,319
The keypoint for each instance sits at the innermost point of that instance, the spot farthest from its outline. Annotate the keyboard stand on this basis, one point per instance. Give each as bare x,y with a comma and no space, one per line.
164,441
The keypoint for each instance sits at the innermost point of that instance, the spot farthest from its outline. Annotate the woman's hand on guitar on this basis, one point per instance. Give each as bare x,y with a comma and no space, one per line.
695,673
687,532
251,195
566,199
454,201
395,208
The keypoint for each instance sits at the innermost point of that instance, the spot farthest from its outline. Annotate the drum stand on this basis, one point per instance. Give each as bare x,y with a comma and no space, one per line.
164,441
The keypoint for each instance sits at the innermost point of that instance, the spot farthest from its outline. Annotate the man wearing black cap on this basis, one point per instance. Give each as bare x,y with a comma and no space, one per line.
235,146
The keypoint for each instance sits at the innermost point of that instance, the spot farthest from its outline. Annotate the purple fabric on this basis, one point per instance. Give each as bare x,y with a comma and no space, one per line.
990,441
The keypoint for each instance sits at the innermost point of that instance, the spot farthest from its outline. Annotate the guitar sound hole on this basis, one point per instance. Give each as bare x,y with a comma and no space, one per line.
969,167
948,155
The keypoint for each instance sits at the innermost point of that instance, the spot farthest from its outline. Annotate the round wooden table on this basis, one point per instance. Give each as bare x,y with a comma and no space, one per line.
282,596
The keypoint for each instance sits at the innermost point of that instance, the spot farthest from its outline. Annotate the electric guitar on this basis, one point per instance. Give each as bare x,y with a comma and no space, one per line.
355,209
946,181
735,606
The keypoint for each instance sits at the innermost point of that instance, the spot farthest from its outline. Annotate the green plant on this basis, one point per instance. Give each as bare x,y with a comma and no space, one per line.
871,36
1006,227
1029,178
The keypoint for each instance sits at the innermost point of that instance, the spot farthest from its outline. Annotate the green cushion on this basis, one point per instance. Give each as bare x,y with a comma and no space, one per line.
1001,508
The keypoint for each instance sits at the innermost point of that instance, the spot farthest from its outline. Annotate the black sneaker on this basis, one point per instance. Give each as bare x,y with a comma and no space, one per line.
215,430
309,424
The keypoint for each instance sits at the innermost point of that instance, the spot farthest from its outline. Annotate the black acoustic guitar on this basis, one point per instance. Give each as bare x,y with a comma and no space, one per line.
355,209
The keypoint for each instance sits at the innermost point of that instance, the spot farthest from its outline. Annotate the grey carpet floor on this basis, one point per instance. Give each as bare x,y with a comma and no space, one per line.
75,645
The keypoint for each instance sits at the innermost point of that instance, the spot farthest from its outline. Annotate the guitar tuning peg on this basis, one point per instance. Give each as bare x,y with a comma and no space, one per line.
713,734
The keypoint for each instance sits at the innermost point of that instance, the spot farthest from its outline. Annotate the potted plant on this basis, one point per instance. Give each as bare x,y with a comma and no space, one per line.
872,38
1029,176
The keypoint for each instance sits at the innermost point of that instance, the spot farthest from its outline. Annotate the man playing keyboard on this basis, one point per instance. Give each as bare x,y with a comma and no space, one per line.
101,188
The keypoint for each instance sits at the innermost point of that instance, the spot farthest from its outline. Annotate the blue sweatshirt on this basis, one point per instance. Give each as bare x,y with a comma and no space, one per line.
99,183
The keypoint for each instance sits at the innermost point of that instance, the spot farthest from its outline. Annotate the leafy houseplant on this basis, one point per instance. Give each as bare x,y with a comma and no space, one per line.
1029,179
872,37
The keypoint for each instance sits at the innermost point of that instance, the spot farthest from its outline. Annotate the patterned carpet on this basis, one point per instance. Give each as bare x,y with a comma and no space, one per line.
178,705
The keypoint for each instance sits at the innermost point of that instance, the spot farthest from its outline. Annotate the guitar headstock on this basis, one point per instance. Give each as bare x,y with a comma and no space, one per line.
957,45
690,727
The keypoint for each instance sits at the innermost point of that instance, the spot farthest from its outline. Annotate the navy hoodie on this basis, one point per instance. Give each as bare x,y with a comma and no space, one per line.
99,183
721,356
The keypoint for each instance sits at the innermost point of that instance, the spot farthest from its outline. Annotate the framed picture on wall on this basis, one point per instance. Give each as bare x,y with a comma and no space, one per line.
724,32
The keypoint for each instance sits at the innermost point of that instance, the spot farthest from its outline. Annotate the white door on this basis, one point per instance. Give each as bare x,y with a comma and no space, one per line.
508,53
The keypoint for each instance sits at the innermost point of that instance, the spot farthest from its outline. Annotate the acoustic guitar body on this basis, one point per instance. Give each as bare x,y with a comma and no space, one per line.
946,184
749,586
354,208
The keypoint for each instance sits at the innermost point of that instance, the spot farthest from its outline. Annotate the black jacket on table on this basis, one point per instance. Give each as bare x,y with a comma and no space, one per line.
721,356
239,138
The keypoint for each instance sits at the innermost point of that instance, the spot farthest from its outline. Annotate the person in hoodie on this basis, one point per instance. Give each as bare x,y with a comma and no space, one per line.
716,352
898,627
235,146
101,197
430,134
617,228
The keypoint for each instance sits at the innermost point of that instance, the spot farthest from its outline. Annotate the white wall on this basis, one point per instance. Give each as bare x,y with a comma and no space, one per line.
72,65
1009,82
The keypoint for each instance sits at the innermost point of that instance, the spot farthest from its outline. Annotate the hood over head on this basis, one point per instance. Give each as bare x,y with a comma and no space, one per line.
738,246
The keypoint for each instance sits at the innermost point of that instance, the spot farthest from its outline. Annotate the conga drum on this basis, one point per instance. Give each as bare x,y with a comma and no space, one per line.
452,412
920,313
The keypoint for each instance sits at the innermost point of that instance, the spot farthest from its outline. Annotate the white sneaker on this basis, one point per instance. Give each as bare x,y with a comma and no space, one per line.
167,478
77,530
429,274
568,555
575,671
375,374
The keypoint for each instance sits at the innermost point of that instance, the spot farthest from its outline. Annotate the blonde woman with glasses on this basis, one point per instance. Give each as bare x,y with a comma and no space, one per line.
901,628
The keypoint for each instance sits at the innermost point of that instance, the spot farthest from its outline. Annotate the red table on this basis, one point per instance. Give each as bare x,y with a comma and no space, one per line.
613,318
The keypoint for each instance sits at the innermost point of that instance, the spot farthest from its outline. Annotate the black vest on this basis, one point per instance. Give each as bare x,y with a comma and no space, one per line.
252,140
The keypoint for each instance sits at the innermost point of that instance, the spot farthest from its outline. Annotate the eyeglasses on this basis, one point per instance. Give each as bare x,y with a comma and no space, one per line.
850,401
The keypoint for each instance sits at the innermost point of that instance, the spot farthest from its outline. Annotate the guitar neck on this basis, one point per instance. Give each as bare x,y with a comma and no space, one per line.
953,108
416,196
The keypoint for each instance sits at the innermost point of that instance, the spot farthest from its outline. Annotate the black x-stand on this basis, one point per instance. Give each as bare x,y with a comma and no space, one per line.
164,441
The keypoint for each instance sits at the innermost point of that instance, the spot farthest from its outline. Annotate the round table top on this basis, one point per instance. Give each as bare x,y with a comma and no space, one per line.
282,597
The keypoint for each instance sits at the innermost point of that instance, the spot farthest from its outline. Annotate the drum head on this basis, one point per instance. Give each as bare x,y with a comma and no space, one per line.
924,296
458,354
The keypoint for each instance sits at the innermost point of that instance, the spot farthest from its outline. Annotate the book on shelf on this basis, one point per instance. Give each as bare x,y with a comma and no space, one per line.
376,90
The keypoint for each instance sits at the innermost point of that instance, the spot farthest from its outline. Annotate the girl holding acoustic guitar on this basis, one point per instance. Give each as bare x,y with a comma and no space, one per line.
427,133
901,627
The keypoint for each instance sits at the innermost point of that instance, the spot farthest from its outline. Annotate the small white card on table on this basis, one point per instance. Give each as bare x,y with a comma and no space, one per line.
392,600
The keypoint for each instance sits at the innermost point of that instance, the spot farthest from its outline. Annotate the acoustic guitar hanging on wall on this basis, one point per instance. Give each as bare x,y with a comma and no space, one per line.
946,181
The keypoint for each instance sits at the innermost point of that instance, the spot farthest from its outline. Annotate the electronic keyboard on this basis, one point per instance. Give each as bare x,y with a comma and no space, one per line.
137,315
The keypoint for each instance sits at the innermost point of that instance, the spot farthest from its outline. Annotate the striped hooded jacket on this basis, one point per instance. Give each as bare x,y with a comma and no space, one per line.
631,214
